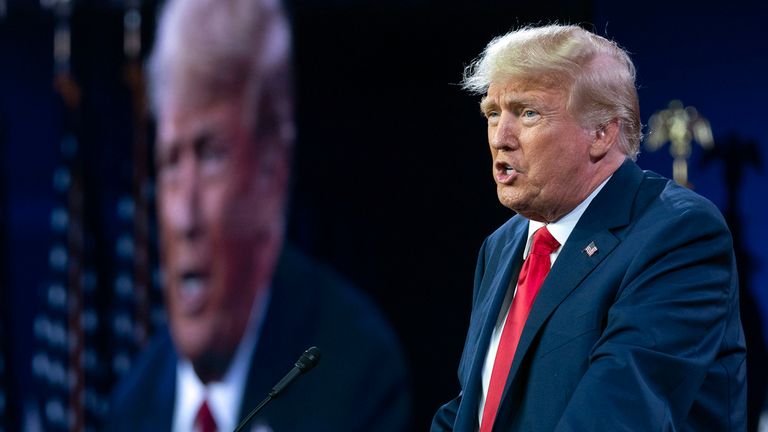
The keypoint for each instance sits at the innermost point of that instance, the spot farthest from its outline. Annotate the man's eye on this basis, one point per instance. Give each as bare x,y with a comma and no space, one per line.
168,161
213,153
214,158
528,113
491,114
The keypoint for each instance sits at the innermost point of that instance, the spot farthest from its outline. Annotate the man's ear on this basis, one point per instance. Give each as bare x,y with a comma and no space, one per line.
273,167
605,137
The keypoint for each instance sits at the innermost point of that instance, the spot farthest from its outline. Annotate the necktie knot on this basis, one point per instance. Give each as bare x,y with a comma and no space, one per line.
543,242
204,421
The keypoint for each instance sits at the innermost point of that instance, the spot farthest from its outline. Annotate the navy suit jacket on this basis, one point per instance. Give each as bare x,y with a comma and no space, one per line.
348,390
643,335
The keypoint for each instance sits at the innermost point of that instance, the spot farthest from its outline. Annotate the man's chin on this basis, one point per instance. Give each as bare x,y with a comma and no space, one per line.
510,202
192,338
517,199
209,360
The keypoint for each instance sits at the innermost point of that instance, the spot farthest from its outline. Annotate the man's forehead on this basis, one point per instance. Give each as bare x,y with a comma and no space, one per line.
179,122
514,91
526,83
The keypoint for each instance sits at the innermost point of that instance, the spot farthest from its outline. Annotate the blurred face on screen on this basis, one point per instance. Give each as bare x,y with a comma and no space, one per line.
220,213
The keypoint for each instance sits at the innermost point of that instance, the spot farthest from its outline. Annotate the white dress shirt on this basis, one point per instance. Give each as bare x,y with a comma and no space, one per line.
560,230
224,397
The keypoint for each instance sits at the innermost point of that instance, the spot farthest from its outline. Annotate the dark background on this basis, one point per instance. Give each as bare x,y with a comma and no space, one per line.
391,177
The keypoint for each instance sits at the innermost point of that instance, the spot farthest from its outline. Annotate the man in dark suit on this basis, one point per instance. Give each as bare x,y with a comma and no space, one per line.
241,306
609,302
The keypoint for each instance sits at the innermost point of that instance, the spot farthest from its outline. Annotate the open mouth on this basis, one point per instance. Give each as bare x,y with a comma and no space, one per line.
505,172
193,291
504,168
192,283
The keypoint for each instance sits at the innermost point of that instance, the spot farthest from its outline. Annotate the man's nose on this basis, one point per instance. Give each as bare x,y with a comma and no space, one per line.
187,212
505,134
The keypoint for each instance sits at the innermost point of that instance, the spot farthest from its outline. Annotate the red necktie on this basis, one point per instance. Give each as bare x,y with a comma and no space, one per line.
535,269
204,421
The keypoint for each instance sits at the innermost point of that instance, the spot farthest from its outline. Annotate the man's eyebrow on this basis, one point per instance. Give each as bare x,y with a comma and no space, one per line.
486,104
512,101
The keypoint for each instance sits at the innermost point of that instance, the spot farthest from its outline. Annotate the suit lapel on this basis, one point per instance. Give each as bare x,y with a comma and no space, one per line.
162,388
490,300
559,283
281,339
609,210
511,260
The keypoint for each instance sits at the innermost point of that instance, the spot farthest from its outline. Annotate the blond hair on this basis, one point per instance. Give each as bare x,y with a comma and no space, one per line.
214,50
597,75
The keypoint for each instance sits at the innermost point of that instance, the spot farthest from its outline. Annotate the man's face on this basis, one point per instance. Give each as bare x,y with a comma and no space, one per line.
220,217
540,153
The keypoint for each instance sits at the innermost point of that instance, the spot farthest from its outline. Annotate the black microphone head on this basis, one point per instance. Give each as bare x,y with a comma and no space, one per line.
309,359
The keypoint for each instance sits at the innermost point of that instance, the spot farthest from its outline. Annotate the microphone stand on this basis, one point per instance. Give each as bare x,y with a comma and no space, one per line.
307,361
253,413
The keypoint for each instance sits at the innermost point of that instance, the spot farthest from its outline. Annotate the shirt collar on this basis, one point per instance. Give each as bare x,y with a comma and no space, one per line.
224,397
562,228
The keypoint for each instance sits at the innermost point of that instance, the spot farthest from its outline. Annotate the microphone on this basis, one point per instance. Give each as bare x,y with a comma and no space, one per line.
305,363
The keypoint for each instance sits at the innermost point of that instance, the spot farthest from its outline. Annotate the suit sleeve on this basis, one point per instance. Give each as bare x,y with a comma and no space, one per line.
673,314
445,418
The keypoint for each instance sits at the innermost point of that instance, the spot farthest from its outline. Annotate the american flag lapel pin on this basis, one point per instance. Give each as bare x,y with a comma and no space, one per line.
591,249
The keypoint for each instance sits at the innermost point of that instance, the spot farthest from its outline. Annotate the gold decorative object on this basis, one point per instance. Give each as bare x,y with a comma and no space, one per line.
679,126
